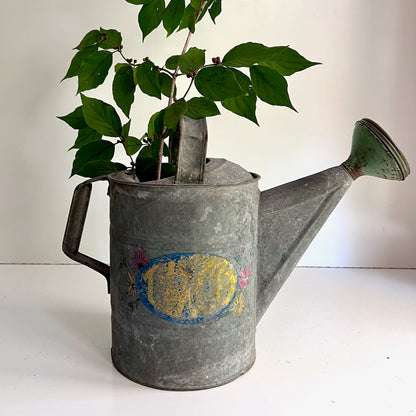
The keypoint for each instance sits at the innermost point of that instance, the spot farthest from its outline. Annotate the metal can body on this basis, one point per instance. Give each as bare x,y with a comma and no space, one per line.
183,282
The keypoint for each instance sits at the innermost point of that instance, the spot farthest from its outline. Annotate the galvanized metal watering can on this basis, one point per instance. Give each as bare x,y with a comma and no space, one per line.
196,259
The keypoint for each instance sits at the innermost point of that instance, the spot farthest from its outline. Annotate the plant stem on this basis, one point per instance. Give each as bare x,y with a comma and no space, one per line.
165,70
172,91
175,74
130,62
123,142
189,87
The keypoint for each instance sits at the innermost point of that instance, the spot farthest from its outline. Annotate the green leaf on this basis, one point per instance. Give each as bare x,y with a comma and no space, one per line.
165,82
172,15
147,161
244,105
215,9
155,126
93,70
118,66
75,119
149,152
101,117
172,62
78,59
173,114
132,145
139,1
113,39
168,170
192,60
85,136
217,83
146,76
91,38
125,130
287,61
99,168
246,54
152,151
150,16
124,88
270,86
281,58
243,80
195,4
98,150
188,20
200,107
146,168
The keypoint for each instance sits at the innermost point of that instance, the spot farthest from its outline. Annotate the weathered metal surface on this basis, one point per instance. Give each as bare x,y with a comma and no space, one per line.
290,216
75,227
194,267
217,172
183,282
188,148
373,153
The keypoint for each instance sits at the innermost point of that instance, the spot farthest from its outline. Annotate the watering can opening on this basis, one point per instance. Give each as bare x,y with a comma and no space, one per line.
373,153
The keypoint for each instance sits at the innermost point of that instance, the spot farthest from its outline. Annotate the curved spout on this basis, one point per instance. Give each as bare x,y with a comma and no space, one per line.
373,153
291,215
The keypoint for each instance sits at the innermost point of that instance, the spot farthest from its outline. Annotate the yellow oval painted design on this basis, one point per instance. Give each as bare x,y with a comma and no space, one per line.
187,287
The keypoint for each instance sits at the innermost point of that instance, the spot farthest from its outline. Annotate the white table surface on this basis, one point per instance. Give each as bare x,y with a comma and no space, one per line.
334,342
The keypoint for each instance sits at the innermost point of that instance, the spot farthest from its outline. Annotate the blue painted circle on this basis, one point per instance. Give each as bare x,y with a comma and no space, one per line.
187,288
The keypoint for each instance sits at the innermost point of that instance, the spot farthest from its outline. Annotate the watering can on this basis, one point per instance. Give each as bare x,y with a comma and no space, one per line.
196,259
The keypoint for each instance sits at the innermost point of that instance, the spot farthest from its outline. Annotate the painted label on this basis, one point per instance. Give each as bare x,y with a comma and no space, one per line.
187,287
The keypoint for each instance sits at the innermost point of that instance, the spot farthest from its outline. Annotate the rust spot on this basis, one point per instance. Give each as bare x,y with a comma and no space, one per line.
354,171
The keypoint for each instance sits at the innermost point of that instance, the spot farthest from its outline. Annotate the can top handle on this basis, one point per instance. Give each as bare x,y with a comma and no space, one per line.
373,153
188,148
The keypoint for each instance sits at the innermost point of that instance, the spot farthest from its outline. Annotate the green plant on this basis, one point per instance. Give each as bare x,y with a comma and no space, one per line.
221,80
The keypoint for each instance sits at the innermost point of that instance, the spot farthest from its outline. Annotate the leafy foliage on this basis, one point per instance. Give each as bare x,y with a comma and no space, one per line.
147,77
200,107
192,60
172,15
218,83
150,16
124,88
99,150
246,73
101,117
270,86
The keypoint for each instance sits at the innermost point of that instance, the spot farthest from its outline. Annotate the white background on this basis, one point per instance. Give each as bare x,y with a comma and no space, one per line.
369,62
336,342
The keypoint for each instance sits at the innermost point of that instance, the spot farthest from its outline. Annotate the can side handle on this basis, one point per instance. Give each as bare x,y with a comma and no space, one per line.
75,226
188,147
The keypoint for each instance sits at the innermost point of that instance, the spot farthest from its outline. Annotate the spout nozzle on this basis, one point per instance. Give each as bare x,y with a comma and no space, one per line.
373,153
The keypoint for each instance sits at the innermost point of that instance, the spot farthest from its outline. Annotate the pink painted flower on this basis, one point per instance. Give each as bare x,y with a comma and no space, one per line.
140,259
243,283
244,273
243,278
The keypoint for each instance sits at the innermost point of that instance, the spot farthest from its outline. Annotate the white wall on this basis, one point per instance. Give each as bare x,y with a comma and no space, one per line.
369,62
